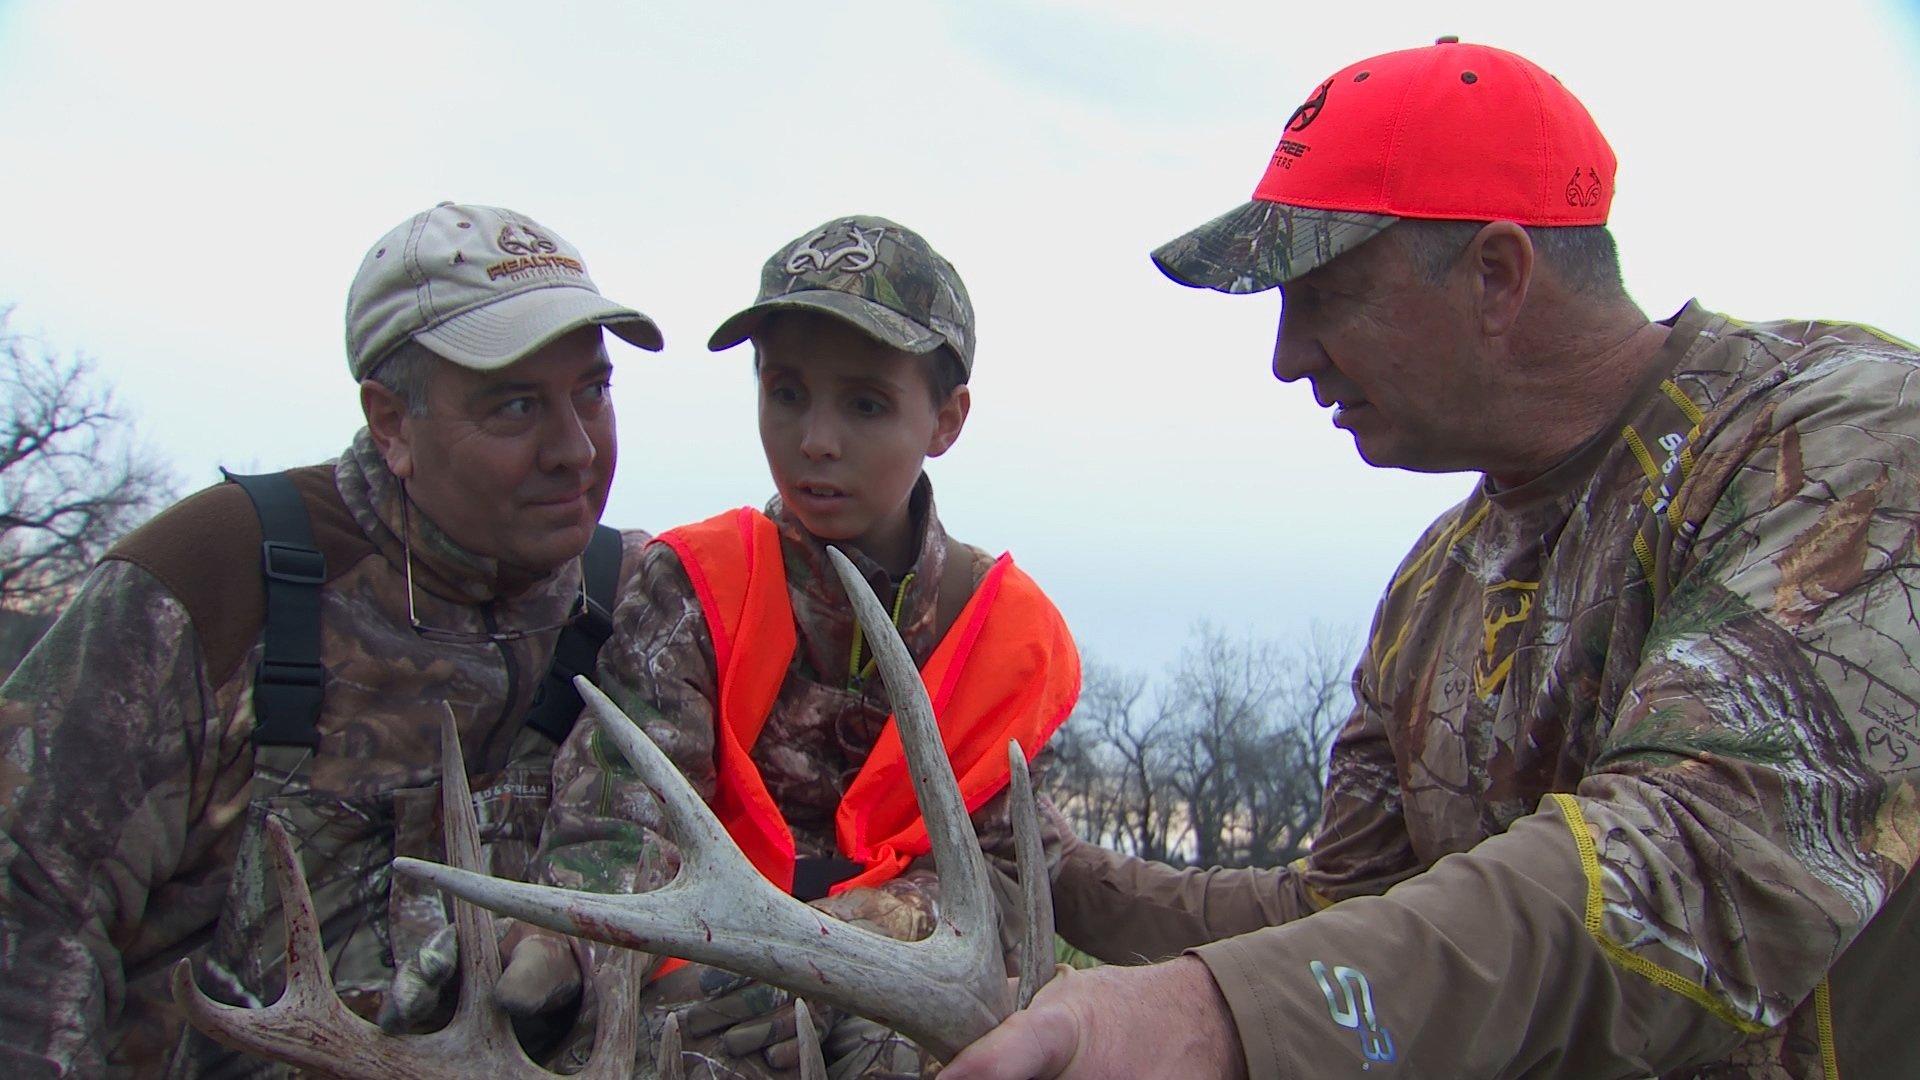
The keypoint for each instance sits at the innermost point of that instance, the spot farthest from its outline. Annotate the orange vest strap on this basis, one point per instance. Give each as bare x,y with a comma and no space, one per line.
1007,669
734,562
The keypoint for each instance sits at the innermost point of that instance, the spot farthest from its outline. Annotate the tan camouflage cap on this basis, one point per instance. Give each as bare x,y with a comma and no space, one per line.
478,285
876,274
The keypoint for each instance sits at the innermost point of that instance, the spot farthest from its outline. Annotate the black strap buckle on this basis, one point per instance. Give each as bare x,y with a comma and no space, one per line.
291,673
292,563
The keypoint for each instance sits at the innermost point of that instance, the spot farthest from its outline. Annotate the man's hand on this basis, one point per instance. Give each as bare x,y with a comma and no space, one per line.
1166,1020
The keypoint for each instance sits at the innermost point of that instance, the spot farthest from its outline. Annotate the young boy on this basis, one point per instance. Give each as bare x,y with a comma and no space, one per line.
863,343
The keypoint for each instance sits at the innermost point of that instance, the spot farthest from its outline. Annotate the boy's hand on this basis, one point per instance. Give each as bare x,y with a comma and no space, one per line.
741,1017
737,1018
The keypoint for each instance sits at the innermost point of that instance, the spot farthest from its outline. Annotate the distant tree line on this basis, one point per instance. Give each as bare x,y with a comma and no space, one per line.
1220,762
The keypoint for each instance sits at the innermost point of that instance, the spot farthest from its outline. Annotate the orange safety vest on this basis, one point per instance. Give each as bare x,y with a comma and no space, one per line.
1006,669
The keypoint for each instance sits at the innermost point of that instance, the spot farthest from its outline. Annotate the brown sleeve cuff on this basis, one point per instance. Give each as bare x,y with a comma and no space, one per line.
1128,910
1243,969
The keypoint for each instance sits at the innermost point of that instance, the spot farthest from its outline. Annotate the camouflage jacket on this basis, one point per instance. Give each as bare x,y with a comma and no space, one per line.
131,795
1629,789
604,832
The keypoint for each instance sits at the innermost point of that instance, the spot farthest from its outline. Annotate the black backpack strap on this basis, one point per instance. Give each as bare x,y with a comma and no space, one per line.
556,704
601,564
287,685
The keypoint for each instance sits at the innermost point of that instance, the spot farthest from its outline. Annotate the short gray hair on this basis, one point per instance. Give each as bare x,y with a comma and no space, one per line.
1584,256
405,372
410,366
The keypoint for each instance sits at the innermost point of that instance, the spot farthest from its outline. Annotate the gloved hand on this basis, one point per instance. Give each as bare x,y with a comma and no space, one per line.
740,1018
539,986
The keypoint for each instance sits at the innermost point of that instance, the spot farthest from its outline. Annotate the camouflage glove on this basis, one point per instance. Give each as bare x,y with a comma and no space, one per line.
739,1021
740,1018
539,984
418,999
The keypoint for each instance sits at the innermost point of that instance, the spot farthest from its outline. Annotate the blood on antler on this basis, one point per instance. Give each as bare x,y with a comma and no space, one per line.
310,1027
943,991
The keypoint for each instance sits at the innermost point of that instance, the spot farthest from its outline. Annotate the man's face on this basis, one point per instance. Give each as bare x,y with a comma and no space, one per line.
1390,352
847,423
515,464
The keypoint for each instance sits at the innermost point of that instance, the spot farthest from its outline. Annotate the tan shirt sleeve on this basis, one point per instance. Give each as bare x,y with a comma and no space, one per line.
1743,819
1482,966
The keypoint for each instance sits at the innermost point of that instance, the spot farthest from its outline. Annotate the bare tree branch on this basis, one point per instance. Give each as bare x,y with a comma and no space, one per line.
1222,762
72,477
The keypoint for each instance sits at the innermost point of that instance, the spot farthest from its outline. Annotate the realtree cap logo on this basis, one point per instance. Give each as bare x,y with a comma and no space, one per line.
536,255
1310,109
518,239
854,248
1584,191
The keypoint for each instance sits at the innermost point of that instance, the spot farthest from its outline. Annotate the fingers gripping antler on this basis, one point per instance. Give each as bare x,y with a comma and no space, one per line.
311,1028
942,991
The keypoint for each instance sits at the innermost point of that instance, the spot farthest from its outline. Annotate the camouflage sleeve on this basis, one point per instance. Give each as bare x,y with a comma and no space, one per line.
1748,812
604,831
110,750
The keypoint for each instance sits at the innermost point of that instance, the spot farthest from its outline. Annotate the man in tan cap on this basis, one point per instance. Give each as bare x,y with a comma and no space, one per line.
185,695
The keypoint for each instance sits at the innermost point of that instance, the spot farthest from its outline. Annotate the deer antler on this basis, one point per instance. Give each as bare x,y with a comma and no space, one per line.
943,991
311,1028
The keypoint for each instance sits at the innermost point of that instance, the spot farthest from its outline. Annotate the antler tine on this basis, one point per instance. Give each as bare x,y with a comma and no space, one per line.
813,1064
311,1028
1036,948
666,1056
965,898
473,926
306,1007
616,1034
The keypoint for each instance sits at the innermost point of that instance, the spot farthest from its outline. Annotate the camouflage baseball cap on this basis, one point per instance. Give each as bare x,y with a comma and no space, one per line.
876,274
478,285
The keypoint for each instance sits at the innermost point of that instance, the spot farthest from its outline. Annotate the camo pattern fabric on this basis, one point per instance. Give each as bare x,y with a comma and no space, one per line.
880,275
605,833
1630,787
1260,245
131,797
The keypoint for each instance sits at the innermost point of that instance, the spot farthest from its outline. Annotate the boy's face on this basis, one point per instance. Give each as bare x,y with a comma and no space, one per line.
847,422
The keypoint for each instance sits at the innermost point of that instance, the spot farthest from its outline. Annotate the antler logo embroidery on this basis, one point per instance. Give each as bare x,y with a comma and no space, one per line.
1584,194
1310,109
520,239
857,253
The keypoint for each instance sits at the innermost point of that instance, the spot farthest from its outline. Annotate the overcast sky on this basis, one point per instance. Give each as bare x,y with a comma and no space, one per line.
187,189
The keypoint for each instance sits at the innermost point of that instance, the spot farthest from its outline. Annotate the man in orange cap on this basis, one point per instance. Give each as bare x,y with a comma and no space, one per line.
1629,787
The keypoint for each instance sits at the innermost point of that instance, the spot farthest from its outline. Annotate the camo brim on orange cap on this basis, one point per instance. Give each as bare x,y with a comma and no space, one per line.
1262,245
